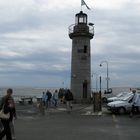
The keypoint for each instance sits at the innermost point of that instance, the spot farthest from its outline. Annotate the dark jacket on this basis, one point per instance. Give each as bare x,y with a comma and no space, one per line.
49,95
8,105
68,96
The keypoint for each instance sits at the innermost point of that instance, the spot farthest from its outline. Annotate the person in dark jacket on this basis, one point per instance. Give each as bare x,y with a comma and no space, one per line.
69,99
8,106
49,96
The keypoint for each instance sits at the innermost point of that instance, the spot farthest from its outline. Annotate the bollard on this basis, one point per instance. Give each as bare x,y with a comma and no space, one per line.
97,102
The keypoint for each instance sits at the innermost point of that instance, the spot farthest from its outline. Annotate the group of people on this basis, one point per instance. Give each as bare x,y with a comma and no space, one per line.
64,96
7,104
49,98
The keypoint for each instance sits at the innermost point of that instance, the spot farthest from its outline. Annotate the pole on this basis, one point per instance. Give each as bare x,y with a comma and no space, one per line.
100,94
100,84
107,78
96,83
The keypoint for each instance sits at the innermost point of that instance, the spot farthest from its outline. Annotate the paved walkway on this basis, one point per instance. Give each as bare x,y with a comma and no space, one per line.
80,109
58,124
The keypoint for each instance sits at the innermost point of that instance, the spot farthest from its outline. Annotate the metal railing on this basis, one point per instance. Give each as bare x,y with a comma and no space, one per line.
71,29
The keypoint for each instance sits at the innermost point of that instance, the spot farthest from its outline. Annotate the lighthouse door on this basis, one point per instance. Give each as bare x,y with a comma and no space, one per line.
85,89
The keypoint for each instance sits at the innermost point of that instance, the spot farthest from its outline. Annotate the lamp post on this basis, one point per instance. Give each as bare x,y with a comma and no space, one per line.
100,78
107,74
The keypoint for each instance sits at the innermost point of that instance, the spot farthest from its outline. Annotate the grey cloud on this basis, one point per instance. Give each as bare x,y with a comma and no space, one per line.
38,41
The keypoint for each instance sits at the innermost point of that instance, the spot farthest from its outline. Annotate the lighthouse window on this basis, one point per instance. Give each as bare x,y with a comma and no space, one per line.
81,20
76,20
85,49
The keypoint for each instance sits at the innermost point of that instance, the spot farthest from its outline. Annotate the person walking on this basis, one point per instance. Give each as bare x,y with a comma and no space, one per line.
13,120
135,103
49,96
55,98
69,99
44,98
8,106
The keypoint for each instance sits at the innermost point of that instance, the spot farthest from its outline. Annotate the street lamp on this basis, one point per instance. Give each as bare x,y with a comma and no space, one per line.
107,78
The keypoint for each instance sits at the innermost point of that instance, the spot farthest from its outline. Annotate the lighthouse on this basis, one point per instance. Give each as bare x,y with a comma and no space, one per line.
81,33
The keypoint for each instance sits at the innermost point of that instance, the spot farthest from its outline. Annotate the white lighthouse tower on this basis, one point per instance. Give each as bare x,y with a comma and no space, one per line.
81,32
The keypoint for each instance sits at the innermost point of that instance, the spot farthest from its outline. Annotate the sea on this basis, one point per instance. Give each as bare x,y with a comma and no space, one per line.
36,92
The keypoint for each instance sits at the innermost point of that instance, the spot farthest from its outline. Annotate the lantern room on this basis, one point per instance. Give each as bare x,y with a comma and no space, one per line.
81,18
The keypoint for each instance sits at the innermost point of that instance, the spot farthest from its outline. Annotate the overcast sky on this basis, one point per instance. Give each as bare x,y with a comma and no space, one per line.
35,49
